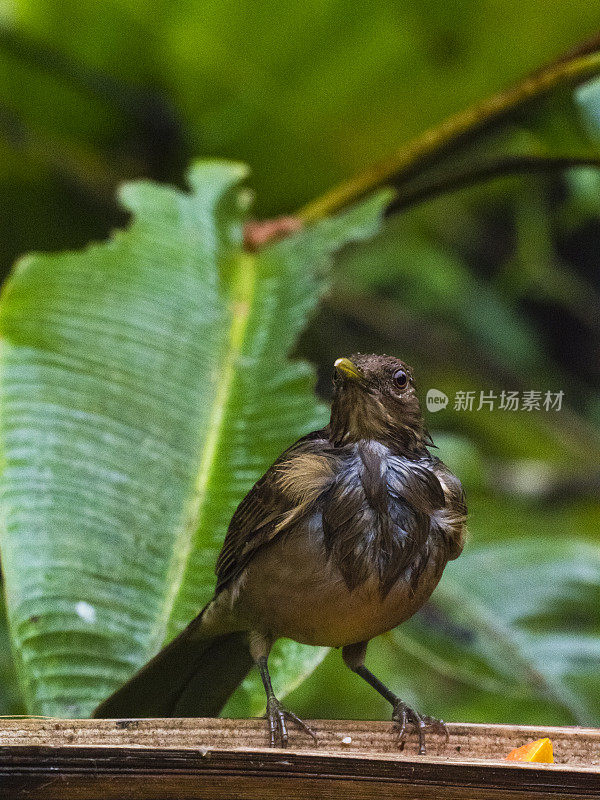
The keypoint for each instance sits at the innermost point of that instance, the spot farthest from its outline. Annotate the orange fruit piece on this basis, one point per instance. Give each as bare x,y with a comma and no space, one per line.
541,750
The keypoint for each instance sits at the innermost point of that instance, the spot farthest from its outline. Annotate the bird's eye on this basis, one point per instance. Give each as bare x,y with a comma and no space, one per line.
400,379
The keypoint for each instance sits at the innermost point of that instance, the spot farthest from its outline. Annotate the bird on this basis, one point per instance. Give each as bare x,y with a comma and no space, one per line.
342,539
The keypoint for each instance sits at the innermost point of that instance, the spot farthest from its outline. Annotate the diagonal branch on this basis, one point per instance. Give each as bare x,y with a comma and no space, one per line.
439,141
500,167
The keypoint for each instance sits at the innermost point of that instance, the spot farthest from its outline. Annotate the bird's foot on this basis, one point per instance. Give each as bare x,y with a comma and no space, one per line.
405,718
276,716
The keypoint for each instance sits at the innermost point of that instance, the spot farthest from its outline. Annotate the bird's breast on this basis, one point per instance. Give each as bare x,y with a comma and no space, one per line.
360,563
292,589
376,517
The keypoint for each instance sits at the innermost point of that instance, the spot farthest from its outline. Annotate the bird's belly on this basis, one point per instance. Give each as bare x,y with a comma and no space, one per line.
290,589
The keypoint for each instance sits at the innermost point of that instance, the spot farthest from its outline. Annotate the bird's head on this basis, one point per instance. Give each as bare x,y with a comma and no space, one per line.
375,398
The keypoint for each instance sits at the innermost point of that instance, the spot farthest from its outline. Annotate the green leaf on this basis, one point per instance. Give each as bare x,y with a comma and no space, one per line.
516,620
10,700
144,387
587,98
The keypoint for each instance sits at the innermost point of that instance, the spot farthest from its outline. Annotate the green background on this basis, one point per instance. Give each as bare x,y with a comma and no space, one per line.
495,287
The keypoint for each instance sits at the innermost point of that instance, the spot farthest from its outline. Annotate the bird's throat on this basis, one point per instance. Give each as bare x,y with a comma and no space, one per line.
357,415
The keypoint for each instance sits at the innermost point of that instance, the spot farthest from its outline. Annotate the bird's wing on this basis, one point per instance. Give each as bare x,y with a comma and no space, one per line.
284,494
455,509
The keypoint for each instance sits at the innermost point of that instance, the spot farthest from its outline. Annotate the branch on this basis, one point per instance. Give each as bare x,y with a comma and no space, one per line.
500,167
438,141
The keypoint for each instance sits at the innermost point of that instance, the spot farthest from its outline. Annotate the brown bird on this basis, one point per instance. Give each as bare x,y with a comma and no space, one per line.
343,538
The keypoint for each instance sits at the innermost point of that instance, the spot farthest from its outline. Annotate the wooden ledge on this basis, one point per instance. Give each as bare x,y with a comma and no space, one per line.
220,758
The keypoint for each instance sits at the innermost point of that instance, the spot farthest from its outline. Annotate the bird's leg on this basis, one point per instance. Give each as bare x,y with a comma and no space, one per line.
276,714
403,716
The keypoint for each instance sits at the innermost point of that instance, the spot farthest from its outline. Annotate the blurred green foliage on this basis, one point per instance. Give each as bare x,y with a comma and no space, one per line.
306,93
493,287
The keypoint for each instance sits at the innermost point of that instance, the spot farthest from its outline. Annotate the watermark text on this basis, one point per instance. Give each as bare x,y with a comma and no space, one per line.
488,400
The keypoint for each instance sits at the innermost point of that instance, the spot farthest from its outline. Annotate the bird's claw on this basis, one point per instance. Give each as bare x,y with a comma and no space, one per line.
276,716
405,717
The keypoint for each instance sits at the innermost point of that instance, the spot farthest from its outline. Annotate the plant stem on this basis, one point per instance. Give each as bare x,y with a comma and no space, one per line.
500,167
436,142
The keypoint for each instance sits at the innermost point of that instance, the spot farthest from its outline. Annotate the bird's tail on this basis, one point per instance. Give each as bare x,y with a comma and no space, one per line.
190,677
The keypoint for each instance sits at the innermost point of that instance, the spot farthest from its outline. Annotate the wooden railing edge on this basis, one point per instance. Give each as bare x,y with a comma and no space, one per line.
220,758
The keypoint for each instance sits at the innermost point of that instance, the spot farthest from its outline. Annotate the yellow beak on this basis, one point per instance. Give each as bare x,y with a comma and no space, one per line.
347,368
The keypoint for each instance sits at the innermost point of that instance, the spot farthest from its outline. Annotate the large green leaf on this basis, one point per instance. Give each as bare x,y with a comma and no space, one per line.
10,702
144,387
516,622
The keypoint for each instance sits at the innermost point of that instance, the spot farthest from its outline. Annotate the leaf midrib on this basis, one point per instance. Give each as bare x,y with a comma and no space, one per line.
243,284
